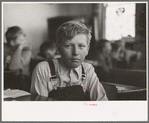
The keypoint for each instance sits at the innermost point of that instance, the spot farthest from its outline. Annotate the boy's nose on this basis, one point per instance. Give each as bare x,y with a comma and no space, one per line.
75,51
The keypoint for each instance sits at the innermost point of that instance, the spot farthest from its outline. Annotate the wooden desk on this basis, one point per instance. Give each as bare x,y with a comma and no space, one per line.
128,92
123,76
124,92
126,88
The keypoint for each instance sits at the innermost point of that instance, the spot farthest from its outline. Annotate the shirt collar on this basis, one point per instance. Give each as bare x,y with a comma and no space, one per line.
77,70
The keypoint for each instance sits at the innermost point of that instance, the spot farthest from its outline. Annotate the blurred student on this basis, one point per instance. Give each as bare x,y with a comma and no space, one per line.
122,57
117,55
103,55
17,55
48,50
131,58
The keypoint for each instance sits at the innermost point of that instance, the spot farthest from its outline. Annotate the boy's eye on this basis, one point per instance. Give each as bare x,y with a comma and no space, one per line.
81,46
68,46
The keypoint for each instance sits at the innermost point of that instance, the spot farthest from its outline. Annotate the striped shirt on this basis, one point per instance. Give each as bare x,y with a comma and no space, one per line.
42,85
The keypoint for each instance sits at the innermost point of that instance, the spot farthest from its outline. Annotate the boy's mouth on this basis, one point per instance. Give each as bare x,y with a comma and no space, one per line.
75,59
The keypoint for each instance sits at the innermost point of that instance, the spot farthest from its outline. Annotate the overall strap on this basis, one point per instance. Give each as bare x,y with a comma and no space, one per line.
53,73
52,68
83,73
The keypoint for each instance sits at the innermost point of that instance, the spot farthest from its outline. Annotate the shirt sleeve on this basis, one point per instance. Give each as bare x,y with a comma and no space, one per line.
40,78
95,88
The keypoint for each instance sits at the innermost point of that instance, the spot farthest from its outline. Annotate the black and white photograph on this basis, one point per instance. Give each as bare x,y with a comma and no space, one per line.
74,61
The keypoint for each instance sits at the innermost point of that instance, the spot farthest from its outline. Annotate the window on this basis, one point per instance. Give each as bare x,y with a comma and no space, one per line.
120,20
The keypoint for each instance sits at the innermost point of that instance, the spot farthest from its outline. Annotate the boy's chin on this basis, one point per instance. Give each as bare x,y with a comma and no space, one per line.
74,66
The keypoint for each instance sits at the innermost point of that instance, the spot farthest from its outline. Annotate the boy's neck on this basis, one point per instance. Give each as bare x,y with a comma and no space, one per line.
63,65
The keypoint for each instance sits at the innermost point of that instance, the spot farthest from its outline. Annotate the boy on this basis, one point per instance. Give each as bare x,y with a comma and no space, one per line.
17,53
118,48
118,53
73,41
47,50
103,57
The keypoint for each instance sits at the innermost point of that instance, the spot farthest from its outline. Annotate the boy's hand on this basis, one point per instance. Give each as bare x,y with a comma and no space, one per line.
24,45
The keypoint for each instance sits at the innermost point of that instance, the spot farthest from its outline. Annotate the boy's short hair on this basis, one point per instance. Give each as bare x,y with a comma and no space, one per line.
12,33
101,44
117,44
45,46
70,29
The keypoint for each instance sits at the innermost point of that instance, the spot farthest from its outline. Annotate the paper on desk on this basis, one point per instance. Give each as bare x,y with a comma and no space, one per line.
121,88
14,93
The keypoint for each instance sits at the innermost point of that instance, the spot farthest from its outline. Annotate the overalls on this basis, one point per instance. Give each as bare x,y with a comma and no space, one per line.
72,92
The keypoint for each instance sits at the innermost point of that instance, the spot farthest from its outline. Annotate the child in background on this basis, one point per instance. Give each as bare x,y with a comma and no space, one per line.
117,55
131,57
118,48
73,42
103,55
48,50
124,58
17,54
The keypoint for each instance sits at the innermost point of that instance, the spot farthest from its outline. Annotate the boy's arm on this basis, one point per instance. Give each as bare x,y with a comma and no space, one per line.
95,88
16,60
40,79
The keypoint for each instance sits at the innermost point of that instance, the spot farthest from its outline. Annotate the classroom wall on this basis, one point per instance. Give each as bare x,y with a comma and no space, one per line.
32,17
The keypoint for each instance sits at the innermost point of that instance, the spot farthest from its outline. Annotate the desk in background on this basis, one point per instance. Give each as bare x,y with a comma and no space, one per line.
123,76
128,92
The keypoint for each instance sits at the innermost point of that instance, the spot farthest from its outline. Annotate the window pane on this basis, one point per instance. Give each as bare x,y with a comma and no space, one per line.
120,21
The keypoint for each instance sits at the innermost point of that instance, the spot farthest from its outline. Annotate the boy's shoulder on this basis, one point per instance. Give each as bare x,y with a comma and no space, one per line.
87,66
42,64
45,63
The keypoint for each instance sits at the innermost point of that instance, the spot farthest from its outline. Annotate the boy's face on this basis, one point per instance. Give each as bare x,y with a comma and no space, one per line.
73,51
119,54
50,53
19,40
108,48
